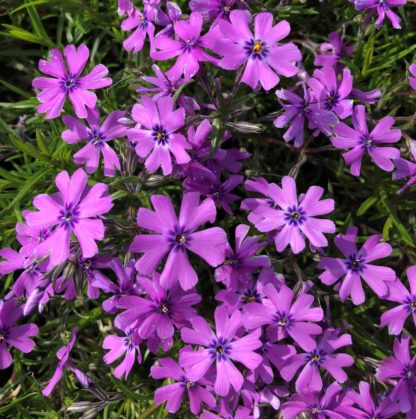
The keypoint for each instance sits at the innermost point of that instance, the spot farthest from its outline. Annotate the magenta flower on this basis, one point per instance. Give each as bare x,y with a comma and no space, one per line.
160,312
383,9
356,265
212,9
412,80
174,237
361,141
71,210
406,169
124,7
334,50
323,356
16,336
295,218
69,83
261,54
97,136
286,317
222,348
173,393
118,346
157,138
400,367
331,403
384,409
241,262
135,19
329,93
396,316
188,47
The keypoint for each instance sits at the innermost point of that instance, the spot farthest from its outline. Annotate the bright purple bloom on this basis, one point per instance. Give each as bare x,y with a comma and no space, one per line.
370,409
331,403
295,218
261,54
361,141
334,50
383,9
63,356
222,348
69,83
135,19
329,93
299,109
406,169
160,312
125,7
356,265
412,80
286,317
97,136
15,336
188,47
400,367
396,316
322,356
157,138
173,393
213,9
241,262
175,237
71,210
118,346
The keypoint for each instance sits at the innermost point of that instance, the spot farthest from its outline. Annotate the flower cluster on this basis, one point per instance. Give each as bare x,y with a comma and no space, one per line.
227,316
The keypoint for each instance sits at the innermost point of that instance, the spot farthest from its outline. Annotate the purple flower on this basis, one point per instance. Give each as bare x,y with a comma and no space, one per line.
295,218
396,317
383,9
71,210
406,169
15,336
333,51
361,141
323,356
173,393
332,403
125,7
241,262
118,346
403,369
297,111
222,348
369,409
157,138
212,9
261,54
174,237
63,356
356,265
412,80
329,93
188,47
135,19
160,312
286,317
97,136
69,83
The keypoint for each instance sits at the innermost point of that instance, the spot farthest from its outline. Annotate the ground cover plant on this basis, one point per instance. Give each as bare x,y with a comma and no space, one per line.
207,209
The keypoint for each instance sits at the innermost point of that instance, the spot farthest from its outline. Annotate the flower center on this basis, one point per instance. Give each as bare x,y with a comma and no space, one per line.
250,296
294,215
164,309
220,349
69,83
96,137
69,217
160,136
1,338
189,384
257,47
331,100
355,263
180,238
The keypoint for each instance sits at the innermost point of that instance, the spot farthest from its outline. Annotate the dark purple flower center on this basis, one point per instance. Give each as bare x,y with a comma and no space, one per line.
164,307
85,264
272,203
179,239
294,215
355,263
160,135
367,141
316,357
69,217
189,45
408,373
143,22
128,341
220,349
187,383
43,234
411,304
250,296
256,49
282,319
3,335
96,137
331,100
315,410
69,83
